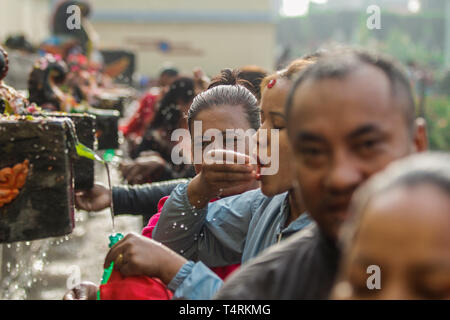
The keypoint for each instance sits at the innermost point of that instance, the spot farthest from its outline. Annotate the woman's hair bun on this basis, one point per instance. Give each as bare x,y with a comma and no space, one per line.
231,78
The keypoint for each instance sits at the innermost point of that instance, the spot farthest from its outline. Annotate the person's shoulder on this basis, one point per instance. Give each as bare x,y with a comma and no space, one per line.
261,277
296,246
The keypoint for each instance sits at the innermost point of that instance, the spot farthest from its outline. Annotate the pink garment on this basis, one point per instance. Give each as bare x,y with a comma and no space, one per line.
222,272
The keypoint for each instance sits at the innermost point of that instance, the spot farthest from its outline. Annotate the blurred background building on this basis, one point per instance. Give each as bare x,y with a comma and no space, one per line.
187,34
268,33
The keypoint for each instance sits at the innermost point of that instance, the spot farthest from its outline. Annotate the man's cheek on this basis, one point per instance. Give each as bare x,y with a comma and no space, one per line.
309,185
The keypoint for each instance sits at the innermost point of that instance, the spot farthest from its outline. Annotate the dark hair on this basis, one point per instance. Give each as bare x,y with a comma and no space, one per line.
169,113
340,63
169,72
227,89
254,75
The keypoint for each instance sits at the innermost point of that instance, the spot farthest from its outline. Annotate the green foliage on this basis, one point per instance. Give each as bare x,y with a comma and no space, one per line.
399,44
438,122
418,38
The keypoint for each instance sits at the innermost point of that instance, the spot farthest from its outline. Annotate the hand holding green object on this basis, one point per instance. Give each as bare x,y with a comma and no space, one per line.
113,239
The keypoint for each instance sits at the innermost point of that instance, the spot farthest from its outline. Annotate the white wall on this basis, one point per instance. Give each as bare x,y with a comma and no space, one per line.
30,17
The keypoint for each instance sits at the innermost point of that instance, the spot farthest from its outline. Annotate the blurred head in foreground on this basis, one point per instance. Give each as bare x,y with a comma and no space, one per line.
400,229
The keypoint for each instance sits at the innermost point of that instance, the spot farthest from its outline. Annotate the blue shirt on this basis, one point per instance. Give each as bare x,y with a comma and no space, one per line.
228,231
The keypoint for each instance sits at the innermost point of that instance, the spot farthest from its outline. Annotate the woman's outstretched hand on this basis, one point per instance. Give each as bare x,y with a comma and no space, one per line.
224,173
136,255
95,199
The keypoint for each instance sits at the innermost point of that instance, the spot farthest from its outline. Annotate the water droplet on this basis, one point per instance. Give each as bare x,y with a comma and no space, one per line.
182,226
183,213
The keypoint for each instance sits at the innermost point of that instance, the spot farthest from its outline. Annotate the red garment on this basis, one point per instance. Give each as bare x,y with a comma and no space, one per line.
222,272
142,117
119,287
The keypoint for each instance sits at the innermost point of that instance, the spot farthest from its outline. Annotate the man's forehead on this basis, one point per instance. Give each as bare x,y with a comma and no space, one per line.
366,90
342,105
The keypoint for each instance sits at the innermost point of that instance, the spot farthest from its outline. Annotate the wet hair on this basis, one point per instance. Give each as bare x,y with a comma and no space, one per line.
169,114
422,168
230,77
340,63
227,89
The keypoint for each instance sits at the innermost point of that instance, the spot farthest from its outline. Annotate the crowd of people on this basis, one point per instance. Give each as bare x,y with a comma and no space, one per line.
356,189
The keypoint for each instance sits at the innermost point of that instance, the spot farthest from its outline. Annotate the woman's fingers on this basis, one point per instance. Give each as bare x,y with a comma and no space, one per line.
226,157
220,177
114,252
244,168
121,247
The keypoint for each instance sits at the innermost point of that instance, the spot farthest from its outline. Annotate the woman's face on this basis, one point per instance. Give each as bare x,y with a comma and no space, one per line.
221,118
272,117
406,233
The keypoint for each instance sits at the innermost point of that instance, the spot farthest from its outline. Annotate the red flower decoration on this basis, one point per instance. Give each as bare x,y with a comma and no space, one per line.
271,83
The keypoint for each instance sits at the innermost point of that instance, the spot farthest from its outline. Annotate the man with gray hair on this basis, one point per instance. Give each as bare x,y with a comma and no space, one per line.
349,116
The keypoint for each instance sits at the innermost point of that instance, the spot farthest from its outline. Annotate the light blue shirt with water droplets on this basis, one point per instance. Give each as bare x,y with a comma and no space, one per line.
228,231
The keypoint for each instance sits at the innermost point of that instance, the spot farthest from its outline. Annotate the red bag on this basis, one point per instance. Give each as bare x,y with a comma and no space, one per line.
134,288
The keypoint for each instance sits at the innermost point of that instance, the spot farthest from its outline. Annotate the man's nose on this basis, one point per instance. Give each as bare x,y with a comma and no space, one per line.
345,174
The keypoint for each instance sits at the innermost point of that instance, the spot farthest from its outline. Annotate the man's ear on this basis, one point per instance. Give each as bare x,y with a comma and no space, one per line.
420,135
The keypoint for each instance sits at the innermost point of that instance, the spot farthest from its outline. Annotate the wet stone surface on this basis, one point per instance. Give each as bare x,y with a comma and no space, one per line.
45,269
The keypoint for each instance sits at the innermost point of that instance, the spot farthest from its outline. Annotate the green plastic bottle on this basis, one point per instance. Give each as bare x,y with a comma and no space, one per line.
109,154
113,239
